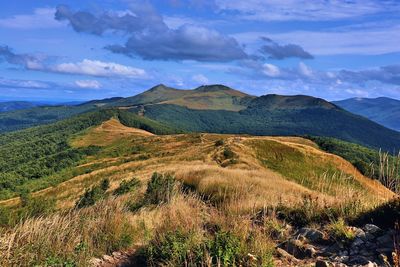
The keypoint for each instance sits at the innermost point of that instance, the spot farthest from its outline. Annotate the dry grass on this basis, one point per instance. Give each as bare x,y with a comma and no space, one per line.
107,133
219,197
71,237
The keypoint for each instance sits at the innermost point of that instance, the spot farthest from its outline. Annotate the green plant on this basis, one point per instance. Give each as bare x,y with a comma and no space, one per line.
160,189
173,248
94,194
219,142
339,230
225,249
228,153
127,186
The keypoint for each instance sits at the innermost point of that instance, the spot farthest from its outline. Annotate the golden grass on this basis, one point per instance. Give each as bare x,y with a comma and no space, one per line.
74,236
226,197
107,133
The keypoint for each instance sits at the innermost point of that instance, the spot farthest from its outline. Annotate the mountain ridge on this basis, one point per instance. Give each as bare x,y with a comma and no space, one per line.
383,110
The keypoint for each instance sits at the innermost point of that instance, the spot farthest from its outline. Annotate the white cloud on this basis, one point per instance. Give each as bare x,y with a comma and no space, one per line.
305,70
88,84
41,18
305,10
201,79
271,70
99,68
363,40
11,83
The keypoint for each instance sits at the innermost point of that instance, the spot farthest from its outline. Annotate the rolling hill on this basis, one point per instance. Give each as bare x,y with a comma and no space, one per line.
234,189
279,115
220,109
383,110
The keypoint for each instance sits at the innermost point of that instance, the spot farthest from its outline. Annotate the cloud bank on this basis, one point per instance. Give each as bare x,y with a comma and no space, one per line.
152,39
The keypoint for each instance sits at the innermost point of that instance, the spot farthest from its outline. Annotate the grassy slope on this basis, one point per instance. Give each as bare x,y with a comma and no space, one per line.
227,192
260,120
287,160
41,156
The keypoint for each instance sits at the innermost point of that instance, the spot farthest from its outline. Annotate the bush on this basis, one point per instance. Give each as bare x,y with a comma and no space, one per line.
127,186
228,153
180,248
37,207
174,248
160,189
91,196
219,142
225,249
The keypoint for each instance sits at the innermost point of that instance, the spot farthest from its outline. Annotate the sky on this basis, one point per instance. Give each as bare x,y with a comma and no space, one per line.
81,50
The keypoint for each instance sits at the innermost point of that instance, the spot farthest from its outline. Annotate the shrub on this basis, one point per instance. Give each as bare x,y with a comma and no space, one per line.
160,189
225,249
127,186
91,196
174,248
219,142
228,153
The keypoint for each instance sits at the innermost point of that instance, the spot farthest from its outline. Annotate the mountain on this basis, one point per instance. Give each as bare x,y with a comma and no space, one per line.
220,109
383,110
279,115
16,105
214,97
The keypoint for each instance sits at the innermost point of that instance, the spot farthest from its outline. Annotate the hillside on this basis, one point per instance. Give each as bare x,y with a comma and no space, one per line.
213,97
38,157
280,115
220,109
229,183
383,110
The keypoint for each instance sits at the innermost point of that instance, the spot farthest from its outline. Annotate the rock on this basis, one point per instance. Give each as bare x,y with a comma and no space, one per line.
295,247
343,253
385,241
370,264
108,258
386,251
322,263
372,229
285,255
357,242
310,251
95,262
358,260
359,233
340,259
312,235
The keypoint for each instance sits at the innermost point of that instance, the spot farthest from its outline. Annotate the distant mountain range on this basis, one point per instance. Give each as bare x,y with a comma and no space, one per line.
16,105
220,109
383,110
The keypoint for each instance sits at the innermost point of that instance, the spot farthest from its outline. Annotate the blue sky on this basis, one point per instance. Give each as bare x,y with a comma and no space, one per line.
79,50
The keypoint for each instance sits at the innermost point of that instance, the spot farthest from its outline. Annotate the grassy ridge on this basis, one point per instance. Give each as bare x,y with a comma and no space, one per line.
260,120
31,159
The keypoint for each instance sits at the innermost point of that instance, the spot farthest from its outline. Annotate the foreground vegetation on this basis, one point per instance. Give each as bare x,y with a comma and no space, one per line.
226,201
